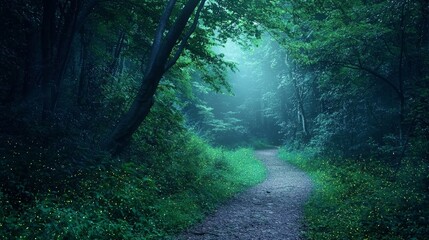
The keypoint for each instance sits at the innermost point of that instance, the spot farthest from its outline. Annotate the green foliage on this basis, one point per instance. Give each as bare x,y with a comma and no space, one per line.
142,199
364,200
261,144
346,64
166,180
253,109
357,54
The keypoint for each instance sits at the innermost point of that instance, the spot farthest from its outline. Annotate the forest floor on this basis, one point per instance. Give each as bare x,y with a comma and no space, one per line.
271,210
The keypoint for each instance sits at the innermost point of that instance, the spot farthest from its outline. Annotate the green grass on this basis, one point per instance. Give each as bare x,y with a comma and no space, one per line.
354,200
169,192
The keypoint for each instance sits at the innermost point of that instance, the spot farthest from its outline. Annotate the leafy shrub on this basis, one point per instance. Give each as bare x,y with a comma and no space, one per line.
355,200
142,198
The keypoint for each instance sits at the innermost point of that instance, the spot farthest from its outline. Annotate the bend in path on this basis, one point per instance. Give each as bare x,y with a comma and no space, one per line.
271,210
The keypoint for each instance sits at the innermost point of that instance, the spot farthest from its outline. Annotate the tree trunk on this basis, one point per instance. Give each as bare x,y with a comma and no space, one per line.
67,35
303,119
138,111
299,94
47,31
32,72
59,37
116,54
82,92
401,77
158,64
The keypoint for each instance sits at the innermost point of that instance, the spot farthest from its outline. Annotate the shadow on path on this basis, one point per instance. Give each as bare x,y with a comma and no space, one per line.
271,210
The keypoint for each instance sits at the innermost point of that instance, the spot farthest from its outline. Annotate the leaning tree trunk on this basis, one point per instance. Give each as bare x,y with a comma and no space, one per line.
138,111
158,64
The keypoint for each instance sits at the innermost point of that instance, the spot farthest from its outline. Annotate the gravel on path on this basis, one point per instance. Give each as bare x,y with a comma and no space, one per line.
271,210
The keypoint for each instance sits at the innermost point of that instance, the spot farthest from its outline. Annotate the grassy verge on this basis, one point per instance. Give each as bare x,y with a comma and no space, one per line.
161,197
355,200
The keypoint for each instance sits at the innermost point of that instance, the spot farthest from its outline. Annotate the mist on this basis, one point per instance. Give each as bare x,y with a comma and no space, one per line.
246,115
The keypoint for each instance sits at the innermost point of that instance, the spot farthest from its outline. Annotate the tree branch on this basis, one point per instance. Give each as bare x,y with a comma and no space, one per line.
156,45
176,31
372,72
185,38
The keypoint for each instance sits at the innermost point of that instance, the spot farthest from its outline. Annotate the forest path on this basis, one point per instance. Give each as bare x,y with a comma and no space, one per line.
271,210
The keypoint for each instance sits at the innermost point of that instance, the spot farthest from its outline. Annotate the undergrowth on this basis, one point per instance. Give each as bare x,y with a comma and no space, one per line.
148,196
364,200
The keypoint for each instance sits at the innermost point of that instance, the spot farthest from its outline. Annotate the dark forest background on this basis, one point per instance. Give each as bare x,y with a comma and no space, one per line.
131,119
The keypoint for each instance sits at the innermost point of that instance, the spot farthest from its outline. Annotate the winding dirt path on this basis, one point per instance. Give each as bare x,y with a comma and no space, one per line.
271,210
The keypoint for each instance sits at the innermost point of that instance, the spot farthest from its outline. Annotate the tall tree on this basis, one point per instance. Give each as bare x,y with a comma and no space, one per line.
159,62
61,21
361,43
